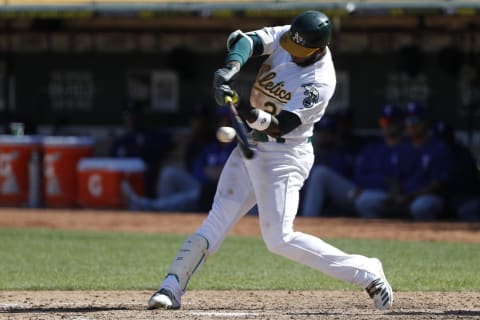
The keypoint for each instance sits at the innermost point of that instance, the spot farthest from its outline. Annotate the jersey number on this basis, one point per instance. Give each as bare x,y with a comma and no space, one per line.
270,107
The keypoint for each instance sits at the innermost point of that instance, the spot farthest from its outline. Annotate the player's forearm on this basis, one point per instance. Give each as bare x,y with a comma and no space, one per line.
239,52
260,120
274,126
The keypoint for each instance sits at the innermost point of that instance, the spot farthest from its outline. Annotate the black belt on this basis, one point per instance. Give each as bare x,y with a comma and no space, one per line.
263,137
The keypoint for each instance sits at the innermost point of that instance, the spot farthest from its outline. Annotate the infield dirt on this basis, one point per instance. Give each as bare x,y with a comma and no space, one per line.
83,305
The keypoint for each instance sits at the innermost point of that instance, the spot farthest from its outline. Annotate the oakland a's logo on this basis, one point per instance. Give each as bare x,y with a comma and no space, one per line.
297,38
311,94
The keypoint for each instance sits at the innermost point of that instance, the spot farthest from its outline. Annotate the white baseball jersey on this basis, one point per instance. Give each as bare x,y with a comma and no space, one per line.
274,177
283,85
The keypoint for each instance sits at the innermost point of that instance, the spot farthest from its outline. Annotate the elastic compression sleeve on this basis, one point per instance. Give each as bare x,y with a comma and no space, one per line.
240,50
287,121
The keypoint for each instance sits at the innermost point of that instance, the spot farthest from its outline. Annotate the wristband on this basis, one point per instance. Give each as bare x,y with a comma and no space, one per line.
262,122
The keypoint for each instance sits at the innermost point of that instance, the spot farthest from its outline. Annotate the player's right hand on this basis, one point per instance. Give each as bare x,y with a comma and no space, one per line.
222,91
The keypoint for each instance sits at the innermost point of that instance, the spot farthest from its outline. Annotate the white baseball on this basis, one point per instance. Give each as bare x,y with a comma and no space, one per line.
225,134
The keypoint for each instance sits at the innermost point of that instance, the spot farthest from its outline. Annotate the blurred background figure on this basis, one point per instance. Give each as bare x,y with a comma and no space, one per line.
192,188
372,174
332,165
422,174
177,181
328,152
463,188
202,124
153,146
375,166
345,136
211,160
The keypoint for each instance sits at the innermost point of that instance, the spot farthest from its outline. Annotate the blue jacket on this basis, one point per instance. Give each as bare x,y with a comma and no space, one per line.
376,163
421,166
213,155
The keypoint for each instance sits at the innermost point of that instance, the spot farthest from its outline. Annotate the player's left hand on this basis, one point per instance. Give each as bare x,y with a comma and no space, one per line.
223,91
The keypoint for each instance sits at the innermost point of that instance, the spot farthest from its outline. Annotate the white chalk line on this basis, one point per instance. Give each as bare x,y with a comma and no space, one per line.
10,306
223,314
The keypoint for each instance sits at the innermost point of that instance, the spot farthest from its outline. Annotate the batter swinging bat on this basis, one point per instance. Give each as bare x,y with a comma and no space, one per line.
240,128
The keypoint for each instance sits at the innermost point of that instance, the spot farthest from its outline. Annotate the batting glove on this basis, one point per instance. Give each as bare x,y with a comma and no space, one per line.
223,91
226,74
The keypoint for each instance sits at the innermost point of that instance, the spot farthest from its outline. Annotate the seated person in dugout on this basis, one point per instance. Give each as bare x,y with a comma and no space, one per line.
189,190
420,174
153,146
372,173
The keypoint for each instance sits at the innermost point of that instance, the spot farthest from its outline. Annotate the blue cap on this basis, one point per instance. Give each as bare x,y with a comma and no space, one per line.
415,112
392,112
415,109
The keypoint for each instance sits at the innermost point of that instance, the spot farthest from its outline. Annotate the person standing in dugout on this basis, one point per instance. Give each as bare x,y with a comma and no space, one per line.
290,94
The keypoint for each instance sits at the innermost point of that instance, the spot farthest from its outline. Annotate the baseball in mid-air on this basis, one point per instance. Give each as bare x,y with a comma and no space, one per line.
225,134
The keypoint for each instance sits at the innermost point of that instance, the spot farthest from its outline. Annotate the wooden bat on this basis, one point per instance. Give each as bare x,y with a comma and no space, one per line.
241,130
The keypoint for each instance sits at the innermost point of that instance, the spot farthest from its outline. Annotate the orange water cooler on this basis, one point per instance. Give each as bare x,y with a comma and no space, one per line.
100,179
20,170
61,157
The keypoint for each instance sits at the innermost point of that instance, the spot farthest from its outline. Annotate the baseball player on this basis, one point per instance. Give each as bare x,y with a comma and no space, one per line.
290,94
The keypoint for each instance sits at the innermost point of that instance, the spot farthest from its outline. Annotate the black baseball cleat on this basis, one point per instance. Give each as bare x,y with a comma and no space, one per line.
163,299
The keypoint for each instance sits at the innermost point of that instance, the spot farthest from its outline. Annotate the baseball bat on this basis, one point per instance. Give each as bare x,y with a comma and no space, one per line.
241,130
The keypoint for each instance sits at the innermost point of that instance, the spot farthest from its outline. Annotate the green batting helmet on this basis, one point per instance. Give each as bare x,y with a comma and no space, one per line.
308,32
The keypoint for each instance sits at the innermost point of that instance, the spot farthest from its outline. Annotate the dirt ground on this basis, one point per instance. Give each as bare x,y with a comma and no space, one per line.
87,305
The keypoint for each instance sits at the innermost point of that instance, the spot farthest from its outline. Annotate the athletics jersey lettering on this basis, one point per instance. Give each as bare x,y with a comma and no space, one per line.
270,88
